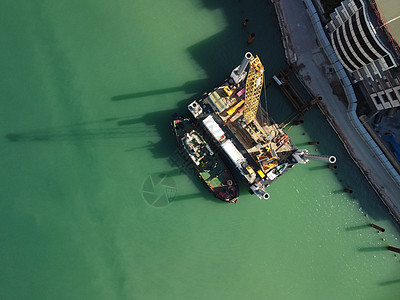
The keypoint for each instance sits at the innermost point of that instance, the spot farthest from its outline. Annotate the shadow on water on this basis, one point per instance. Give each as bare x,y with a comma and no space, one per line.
160,122
372,249
153,124
359,227
78,135
190,87
389,282
106,129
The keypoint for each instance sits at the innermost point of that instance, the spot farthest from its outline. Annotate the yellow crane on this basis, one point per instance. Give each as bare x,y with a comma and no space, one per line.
254,84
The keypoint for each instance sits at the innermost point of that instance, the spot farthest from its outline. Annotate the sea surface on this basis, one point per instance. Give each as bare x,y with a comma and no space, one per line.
94,201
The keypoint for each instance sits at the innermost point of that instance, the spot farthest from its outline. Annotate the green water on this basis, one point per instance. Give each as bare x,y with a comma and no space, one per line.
87,91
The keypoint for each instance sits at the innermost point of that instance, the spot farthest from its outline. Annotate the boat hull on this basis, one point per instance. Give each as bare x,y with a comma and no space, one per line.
209,168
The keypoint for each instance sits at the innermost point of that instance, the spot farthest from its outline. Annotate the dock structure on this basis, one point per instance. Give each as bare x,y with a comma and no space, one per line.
299,103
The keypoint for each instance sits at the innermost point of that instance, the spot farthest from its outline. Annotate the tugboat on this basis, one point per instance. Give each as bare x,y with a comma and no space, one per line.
210,169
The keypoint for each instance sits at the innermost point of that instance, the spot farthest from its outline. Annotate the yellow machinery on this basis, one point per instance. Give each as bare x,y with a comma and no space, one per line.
254,84
234,107
228,91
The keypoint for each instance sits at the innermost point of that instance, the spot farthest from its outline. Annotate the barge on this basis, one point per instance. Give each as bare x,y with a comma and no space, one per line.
244,132
209,168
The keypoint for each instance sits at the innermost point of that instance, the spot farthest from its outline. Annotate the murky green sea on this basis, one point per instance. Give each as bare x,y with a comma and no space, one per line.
88,161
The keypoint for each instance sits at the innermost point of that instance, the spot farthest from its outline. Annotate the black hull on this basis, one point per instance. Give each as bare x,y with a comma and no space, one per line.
216,191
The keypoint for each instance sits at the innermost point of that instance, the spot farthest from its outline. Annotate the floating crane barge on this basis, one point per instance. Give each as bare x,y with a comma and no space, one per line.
244,131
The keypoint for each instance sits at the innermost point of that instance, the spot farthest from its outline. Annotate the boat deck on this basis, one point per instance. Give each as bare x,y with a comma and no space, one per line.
263,140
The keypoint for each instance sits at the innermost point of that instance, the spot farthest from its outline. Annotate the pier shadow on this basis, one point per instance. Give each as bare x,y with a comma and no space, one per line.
359,227
372,249
385,283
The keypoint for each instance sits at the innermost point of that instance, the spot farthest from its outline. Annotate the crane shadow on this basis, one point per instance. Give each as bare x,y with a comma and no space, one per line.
105,129
389,282
190,87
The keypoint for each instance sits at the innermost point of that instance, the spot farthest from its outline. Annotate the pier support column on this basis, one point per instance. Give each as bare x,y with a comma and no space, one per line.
251,38
377,227
394,249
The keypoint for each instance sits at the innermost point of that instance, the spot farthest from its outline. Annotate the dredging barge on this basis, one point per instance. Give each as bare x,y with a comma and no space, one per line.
243,130
209,168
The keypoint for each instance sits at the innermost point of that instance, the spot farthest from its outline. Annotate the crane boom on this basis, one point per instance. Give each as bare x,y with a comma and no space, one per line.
254,84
